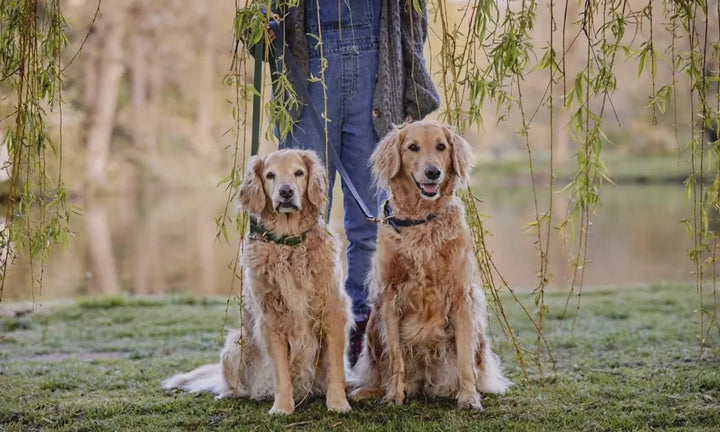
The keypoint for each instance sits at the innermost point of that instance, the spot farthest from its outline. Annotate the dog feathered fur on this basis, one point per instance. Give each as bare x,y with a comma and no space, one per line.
295,315
427,330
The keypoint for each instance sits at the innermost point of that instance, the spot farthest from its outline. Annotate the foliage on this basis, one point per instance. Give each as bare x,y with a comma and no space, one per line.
31,41
486,57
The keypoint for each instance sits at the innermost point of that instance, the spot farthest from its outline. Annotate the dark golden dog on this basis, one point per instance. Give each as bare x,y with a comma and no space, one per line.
427,331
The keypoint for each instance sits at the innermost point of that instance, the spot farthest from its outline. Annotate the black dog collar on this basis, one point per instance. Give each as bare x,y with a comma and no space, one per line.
259,232
391,220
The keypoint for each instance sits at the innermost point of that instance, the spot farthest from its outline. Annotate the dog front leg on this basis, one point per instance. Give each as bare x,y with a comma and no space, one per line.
396,387
279,353
467,396
334,346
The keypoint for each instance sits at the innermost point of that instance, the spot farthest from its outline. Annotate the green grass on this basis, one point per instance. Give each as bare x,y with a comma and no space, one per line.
622,168
632,363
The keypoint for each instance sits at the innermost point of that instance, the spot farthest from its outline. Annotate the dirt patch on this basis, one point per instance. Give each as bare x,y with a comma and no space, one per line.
18,309
82,356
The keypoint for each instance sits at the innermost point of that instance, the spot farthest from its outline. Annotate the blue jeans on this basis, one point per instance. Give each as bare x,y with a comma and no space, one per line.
352,61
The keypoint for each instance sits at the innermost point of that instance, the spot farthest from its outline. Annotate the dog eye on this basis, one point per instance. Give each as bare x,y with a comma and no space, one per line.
299,173
413,147
270,176
440,147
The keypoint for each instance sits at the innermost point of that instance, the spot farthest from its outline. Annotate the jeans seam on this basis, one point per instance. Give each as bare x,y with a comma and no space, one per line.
352,71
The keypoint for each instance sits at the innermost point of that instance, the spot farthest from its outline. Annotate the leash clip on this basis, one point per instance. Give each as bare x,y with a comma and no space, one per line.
384,221
384,210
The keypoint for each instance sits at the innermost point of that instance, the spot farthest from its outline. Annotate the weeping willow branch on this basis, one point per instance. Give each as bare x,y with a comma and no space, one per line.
250,27
31,41
485,58
694,20
467,82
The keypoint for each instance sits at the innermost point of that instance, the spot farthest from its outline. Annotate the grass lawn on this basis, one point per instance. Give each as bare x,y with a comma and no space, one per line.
632,363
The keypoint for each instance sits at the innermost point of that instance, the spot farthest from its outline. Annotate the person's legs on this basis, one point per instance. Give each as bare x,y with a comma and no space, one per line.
358,142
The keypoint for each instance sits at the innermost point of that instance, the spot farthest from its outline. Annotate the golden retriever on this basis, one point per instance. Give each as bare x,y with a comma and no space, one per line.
427,330
295,312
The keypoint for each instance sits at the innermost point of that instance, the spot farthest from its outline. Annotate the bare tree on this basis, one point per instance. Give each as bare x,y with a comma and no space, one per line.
103,96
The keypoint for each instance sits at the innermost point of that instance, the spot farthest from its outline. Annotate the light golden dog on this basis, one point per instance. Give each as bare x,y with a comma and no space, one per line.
427,330
295,312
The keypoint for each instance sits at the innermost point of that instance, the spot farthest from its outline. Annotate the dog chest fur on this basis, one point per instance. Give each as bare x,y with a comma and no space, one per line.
291,284
424,288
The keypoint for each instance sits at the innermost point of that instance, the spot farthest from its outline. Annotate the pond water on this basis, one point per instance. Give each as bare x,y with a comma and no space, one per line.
165,242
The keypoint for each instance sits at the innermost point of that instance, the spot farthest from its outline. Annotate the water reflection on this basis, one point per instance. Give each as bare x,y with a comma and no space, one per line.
150,242
636,237
157,242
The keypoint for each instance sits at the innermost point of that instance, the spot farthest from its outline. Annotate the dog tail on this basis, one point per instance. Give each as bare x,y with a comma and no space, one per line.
222,379
205,378
490,378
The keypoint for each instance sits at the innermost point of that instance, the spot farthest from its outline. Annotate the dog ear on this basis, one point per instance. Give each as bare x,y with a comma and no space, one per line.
317,180
386,157
252,193
461,156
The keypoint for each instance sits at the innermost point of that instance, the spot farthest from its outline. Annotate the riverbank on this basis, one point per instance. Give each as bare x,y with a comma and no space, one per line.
622,169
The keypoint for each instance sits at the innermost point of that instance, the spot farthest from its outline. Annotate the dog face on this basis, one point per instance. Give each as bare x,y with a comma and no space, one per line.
425,158
283,181
426,153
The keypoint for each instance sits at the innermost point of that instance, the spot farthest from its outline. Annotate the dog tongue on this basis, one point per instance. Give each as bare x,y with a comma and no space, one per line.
429,188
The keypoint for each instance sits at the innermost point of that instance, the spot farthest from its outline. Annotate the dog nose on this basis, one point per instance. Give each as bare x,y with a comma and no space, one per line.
286,192
432,173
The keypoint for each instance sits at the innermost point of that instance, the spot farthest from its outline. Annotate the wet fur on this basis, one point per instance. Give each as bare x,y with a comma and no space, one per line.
427,330
295,314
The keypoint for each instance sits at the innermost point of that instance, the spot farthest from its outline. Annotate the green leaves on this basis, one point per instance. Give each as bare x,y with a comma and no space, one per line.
250,22
30,47
661,98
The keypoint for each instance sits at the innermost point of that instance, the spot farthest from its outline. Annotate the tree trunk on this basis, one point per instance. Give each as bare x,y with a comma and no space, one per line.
102,112
202,142
91,70
139,85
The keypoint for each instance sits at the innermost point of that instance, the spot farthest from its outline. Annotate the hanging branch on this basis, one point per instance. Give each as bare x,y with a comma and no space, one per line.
467,82
31,41
714,125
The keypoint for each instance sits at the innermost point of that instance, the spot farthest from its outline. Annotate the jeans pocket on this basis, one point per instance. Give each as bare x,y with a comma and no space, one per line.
350,71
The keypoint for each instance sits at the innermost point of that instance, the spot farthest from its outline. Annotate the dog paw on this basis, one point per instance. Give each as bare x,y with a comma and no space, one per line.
224,395
470,401
281,410
395,398
340,405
